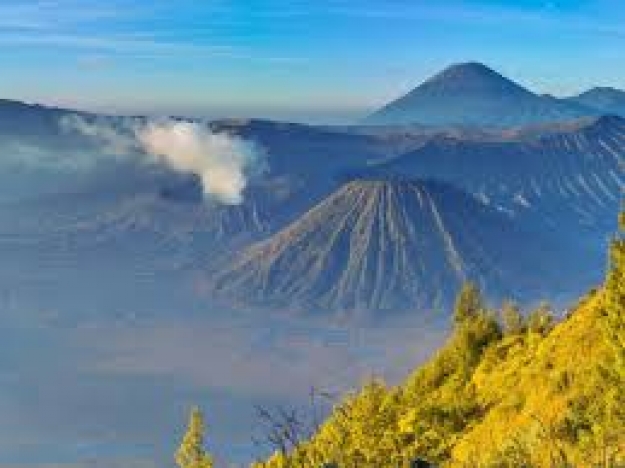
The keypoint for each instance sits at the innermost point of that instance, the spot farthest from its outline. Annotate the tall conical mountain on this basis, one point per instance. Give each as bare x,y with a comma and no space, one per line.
384,245
605,100
475,95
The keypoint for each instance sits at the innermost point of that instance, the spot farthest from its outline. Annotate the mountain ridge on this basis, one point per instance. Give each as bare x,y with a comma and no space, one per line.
471,93
558,180
605,99
574,174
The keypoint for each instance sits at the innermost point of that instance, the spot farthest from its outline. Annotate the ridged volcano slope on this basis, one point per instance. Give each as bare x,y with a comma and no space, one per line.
382,245
570,177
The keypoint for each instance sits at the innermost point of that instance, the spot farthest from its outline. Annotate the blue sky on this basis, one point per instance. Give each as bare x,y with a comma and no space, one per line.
296,59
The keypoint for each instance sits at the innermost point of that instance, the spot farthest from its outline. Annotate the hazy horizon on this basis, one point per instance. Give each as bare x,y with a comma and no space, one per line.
299,61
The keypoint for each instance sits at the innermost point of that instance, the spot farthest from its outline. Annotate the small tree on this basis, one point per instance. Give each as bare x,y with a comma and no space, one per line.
191,453
512,319
541,319
469,304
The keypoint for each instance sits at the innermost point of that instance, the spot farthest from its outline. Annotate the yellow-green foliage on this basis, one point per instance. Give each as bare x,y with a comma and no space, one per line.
534,395
614,297
191,453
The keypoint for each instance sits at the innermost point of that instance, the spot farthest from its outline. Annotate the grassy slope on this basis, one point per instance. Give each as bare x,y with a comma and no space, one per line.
536,397
551,400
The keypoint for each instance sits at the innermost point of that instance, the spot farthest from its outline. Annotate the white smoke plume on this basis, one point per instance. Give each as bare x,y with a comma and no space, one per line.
224,163
221,161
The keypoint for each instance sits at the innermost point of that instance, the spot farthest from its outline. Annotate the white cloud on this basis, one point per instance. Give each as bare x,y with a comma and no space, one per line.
60,24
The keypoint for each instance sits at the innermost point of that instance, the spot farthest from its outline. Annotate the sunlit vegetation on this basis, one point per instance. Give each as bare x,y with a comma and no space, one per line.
191,453
506,390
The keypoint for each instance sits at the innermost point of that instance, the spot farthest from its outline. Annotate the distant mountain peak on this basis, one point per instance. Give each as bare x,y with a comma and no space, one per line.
468,71
473,66
470,78
473,94
603,89
604,99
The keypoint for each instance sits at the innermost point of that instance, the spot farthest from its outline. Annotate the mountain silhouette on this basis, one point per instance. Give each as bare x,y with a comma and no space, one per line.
473,94
603,99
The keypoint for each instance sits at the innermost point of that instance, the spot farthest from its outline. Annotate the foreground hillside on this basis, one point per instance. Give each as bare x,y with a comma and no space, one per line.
500,393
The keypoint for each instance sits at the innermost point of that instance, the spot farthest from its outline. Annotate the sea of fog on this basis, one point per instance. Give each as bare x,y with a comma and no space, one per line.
102,355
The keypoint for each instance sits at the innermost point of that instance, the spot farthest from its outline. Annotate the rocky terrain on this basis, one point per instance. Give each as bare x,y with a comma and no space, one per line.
362,219
386,245
573,176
